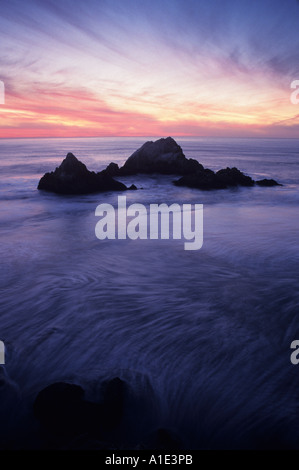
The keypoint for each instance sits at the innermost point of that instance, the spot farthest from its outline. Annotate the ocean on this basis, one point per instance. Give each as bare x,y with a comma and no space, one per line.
202,338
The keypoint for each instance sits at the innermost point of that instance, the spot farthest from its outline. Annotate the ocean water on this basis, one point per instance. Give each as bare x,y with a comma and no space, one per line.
201,337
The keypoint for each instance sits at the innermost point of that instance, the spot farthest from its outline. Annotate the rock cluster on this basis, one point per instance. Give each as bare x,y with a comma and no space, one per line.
164,156
67,420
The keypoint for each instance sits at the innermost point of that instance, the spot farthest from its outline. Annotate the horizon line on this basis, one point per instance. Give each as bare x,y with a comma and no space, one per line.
151,136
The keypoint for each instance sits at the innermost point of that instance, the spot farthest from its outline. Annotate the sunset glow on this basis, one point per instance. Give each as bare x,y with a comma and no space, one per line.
127,68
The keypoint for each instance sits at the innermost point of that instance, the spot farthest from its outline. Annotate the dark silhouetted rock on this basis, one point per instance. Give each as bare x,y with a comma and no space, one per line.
62,411
233,177
112,169
163,156
162,439
56,395
223,179
64,414
268,182
85,442
113,401
204,180
72,177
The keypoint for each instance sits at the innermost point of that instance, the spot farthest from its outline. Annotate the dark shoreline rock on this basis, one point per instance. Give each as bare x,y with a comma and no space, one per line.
72,177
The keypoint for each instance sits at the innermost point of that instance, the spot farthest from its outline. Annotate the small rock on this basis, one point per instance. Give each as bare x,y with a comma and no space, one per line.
233,177
112,169
208,180
204,180
268,182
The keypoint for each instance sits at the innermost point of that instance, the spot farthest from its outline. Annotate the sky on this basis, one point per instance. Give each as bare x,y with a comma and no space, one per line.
149,68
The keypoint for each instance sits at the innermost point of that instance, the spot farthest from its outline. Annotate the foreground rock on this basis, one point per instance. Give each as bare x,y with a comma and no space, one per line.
72,177
63,412
162,439
163,156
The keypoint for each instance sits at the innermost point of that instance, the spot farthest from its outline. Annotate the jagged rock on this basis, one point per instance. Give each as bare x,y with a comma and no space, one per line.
72,177
112,169
233,177
205,179
163,156
223,179
268,182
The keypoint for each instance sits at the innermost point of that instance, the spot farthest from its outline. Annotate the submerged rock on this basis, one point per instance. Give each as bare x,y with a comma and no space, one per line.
72,177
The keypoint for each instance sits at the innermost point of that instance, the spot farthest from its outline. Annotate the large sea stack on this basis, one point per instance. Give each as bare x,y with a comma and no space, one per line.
164,156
